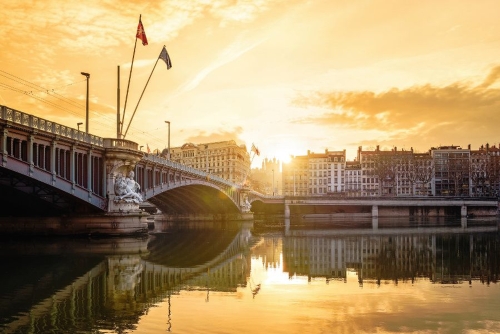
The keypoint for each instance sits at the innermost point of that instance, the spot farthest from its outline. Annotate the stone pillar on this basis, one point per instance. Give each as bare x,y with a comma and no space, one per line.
287,211
29,148
375,223
53,146
375,211
3,142
89,171
72,165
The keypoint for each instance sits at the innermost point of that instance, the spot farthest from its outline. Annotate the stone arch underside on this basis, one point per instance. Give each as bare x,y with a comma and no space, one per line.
194,199
24,196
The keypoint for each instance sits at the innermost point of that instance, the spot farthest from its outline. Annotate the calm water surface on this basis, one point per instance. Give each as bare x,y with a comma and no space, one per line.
229,277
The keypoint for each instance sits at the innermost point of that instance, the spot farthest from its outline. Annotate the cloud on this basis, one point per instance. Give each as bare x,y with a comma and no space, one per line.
424,108
222,135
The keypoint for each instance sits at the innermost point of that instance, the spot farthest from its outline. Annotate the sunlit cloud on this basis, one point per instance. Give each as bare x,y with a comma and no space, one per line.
221,135
417,109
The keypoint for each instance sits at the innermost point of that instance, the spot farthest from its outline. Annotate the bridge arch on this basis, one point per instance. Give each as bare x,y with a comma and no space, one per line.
193,197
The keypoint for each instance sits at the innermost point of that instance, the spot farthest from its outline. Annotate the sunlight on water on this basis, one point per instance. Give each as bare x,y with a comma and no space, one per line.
225,279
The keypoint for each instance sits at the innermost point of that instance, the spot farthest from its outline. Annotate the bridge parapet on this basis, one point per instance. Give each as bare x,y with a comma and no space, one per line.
24,119
189,170
119,143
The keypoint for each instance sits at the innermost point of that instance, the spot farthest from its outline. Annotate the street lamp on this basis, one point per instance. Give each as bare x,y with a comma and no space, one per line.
87,103
140,148
272,185
78,124
168,156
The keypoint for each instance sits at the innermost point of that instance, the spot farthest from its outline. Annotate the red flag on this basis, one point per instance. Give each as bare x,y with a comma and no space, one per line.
255,150
141,34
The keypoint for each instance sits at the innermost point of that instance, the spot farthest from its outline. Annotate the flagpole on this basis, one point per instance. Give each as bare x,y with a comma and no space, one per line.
128,85
140,98
118,132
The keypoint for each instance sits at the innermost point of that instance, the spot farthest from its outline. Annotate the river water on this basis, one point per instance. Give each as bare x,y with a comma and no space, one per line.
307,276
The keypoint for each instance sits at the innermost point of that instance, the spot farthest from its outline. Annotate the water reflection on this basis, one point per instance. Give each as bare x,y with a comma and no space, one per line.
114,285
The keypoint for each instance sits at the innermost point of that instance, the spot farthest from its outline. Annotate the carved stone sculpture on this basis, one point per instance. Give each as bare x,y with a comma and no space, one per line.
127,189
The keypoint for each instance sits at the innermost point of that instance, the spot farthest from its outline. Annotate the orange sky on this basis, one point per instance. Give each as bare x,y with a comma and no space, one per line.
286,75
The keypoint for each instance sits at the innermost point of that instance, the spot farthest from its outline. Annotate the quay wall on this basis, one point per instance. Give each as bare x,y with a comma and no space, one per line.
434,211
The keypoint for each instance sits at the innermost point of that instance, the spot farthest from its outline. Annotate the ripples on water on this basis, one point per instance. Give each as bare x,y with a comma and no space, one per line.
311,275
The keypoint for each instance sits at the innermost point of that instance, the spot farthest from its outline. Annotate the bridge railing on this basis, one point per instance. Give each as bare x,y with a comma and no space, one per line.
187,169
41,124
120,143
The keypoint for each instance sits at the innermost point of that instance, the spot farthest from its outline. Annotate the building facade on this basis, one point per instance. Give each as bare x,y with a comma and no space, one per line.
441,171
225,159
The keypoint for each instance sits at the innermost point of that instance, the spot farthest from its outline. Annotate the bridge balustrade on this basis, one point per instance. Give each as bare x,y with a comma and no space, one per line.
22,118
187,170
120,143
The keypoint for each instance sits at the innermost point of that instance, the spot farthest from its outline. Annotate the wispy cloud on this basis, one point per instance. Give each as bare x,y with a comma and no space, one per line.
232,52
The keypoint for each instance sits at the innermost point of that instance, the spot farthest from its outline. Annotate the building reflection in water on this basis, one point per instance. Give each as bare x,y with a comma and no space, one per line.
109,285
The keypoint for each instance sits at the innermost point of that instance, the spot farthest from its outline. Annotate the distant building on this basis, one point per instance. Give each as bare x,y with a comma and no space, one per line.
353,178
262,178
225,159
451,171
295,177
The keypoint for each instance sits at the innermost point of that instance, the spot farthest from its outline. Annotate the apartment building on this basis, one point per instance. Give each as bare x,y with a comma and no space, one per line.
225,159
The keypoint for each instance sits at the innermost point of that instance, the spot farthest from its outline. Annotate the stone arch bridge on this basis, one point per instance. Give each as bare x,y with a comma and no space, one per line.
48,169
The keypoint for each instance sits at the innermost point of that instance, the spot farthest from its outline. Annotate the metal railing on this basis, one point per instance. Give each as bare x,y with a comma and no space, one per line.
21,118
190,170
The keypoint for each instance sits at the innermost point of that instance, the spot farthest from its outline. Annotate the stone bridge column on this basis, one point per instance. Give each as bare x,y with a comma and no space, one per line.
89,171
120,157
53,146
72,165
29,148
3,138
374,210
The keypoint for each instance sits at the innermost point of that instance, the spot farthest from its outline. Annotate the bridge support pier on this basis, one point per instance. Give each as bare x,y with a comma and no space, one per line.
463,211
463,222
374,210
287,211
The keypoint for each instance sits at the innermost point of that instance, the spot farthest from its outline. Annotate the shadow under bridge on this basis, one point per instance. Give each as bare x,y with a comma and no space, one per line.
177,189
194,199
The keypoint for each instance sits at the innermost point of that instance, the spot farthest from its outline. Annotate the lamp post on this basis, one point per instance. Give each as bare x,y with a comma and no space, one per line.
78,125
206,162
140,148
294,189
168,156
87,75
272,185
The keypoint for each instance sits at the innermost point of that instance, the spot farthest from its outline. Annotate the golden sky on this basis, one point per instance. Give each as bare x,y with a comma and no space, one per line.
289,76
